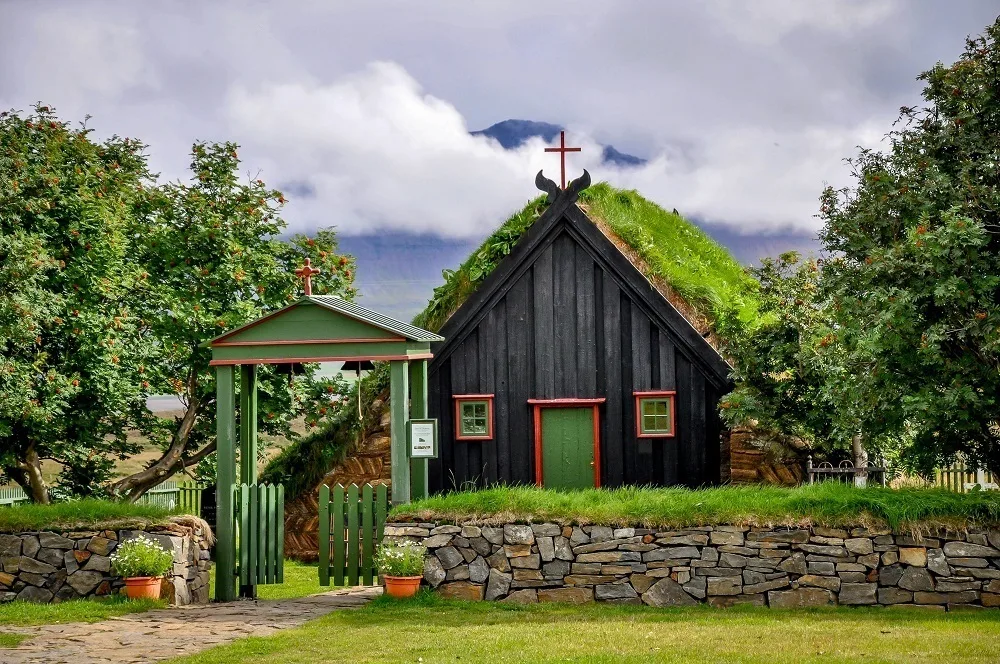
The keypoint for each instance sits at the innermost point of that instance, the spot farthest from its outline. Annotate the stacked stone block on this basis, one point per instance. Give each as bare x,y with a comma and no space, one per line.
56,566
721,565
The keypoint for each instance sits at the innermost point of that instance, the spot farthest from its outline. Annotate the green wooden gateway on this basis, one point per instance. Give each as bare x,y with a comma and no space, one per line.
315,328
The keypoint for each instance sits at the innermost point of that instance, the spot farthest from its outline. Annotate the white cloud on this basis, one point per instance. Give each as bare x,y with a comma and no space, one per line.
382,154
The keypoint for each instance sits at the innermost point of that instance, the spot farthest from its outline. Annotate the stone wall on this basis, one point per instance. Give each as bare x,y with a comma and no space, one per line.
56,566
720,565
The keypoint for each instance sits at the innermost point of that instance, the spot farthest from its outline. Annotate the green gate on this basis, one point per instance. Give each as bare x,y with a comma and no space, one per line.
350,527
260,533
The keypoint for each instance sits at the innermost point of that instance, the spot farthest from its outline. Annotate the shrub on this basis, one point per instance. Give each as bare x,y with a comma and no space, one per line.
140,557
400,559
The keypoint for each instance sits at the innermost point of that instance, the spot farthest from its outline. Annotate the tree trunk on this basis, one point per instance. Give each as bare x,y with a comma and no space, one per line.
28,474
860,461
173,460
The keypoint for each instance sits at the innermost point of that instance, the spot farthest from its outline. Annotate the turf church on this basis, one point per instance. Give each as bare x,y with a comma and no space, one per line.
567,368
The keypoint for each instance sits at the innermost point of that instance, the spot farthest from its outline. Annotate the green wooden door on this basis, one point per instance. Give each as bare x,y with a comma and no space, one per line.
568,448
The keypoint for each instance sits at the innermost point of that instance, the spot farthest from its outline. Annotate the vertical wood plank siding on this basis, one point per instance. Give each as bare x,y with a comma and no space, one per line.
563,322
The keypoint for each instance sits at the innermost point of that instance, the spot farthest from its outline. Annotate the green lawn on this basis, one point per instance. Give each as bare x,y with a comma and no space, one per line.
79,514
301,579
429,629
828,503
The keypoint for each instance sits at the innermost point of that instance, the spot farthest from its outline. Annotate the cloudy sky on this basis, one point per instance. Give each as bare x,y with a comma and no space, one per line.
361,110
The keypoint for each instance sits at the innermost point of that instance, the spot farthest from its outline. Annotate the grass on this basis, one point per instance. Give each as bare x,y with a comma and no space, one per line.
672,249
429,629
8,640
301,579
78,610
79,514
828,503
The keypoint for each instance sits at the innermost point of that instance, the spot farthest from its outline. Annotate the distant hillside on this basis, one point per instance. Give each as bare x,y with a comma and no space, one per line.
512,134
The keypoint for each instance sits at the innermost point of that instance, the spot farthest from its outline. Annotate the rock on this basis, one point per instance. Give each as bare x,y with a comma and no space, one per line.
35,566
945,598
498,585
568,595
969,562
892,557
641,582
828,582
671,553
480,546
796,564
527,596
517,534
499,561
788,536
988,599
446,530
870,561
462,590
492,535
98,564
532,561
689,540
517,550
586,568
859,546
390,530
103,546
894,596
751,577
966,550
724,537
54,541
724,585
600,533
10,546
992,586
546,548
955,586
30,545
546,530
916,578
710,555
937,563
696,587
587,579
556,569
33,594
563,551
469,532
823,550
765,586
623,533
460,573
852,577
666,592
434,573
578,537
610,557
913,556
437,541
800,598
468,554
449,557
479,571
83,581
889,576
858,593
614,591
732,560
32,578
7,580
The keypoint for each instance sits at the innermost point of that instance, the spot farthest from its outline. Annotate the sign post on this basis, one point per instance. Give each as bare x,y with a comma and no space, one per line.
422,438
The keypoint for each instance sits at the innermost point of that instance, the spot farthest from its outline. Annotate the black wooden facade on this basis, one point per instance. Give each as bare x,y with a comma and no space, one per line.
567,315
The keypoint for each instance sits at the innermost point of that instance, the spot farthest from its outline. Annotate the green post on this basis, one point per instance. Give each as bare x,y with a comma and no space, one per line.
225,396
248,424
398,393
248,471
418,410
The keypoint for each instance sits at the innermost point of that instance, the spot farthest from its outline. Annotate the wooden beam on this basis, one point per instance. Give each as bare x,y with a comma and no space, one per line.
225,480
398,393
248,424
418,410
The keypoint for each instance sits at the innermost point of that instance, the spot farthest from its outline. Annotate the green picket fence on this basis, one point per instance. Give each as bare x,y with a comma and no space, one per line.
12,495
260,533
961,478
184,495
350,527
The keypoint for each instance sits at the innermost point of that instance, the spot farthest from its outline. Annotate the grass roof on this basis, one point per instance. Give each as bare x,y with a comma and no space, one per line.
825,504
698,275
87,514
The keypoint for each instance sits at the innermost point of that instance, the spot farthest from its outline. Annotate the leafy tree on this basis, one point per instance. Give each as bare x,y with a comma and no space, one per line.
71,346
213,260
916,273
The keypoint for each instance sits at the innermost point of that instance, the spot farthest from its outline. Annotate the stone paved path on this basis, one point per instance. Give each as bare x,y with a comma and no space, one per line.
165,633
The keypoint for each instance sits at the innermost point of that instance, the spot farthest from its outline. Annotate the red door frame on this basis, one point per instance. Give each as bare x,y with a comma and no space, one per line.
538,404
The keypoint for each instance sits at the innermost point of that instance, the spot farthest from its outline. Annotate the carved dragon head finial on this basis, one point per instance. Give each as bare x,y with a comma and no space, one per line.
555,193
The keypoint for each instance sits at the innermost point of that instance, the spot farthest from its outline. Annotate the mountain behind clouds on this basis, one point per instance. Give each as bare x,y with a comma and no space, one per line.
512,134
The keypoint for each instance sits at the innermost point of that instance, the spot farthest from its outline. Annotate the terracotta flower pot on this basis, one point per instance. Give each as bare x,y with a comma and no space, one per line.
402,586
143,587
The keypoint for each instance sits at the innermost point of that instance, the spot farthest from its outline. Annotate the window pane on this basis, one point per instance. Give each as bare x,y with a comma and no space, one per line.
661,407
480,409
648,423
647,406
